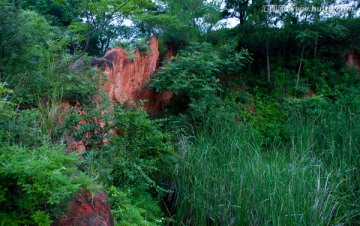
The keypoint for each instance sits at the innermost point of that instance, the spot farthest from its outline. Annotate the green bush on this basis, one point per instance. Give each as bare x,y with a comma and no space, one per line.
138,154
24,129
20,127
195,71
78,84
208,108
264,114
37,183
132,207
130,156
25,54
34,63
6,107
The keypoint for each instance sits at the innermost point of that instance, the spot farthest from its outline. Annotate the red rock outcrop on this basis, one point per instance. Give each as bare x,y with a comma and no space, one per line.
353,60
126,80
127,77
86,210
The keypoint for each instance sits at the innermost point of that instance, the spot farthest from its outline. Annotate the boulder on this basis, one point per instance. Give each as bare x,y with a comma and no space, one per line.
88,210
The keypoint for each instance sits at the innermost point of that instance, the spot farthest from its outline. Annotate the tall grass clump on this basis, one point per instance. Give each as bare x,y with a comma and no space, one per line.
226,177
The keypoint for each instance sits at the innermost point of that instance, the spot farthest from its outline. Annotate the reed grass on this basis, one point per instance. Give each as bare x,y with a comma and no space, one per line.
226,177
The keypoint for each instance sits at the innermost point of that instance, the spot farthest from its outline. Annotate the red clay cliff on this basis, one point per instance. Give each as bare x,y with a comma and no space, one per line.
127,77
126,80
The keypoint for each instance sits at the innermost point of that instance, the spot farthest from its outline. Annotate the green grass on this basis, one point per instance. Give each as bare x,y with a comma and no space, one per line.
225,177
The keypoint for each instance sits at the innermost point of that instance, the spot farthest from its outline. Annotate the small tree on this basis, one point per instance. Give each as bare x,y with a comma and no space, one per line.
194,72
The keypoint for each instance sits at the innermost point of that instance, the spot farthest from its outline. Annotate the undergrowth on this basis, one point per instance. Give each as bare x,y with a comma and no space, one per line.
226,176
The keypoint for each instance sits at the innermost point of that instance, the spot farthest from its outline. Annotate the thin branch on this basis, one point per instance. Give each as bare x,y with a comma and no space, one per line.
102,25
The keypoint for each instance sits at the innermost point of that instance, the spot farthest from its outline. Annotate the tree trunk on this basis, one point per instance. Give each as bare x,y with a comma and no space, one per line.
242,7
268,62
316,45
242,17
298,74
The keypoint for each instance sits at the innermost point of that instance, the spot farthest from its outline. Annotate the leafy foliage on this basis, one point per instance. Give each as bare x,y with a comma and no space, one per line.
197,17
37,183
136,155
101,20
134,207
59,12
19,127
21,49
130,156
195,71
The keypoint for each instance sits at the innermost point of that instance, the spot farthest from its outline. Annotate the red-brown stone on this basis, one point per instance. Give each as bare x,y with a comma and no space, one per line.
87,210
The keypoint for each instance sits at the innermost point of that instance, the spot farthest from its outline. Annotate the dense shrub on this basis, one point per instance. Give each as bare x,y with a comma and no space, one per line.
138,154
195,71
20,127
130,155
37,183
132,206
